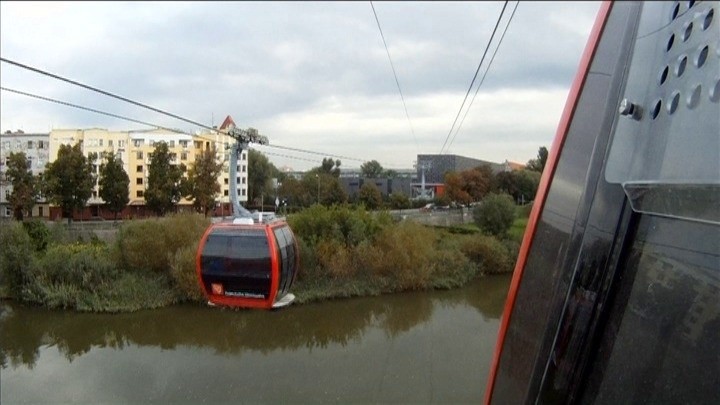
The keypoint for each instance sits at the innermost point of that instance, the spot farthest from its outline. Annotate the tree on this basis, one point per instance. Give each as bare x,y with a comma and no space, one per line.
330,166
332,191
69,180
455,188
370,196
24,185
114,183
371,169
202,184
399,201
165,185
260,173
495,214
538,164
522,185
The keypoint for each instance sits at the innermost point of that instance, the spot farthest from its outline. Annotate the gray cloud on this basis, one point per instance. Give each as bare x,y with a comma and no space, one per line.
279,64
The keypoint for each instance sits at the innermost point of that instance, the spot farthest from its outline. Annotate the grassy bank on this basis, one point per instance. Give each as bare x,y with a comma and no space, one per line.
344,252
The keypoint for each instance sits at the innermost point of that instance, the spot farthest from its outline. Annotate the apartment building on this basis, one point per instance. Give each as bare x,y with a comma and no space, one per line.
37,150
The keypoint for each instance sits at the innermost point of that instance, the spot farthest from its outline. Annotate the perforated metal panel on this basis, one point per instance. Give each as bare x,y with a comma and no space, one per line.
666,143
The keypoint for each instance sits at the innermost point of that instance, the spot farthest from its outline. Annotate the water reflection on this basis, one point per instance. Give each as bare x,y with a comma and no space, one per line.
368,328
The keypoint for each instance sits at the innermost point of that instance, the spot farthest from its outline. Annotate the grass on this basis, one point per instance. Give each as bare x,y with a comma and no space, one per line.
517,230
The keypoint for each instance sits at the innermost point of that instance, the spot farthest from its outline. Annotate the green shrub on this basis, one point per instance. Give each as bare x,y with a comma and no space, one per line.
39,233
16,256
495,214
349,225
65,273
184,275
489,253
151,245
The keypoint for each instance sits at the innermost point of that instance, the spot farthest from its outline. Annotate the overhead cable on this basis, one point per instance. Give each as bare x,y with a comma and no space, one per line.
482,80
395,75
475,76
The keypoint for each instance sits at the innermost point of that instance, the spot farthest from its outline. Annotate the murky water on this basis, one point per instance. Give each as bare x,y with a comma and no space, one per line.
412,347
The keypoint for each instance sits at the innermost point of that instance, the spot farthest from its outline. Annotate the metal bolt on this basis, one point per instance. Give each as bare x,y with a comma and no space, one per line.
632,110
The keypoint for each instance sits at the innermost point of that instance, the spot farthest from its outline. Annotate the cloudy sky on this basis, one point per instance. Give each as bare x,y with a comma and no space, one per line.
309,75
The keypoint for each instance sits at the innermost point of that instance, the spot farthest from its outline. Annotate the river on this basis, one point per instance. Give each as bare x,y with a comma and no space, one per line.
419,347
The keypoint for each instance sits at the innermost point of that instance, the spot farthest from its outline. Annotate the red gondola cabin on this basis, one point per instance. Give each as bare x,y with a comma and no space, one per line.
251,266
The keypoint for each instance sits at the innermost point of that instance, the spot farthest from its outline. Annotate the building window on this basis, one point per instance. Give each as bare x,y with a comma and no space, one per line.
138,142
226,193
140,193
237,180
110,142
243,192
100,142
198,144
30,144
139,181
184,144
226,180
243,180
139,154
7,194
183,156
244,168
244,156
121,144
139,168
172,144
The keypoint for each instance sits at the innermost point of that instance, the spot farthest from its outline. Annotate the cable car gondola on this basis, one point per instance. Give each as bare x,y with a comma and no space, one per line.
244,263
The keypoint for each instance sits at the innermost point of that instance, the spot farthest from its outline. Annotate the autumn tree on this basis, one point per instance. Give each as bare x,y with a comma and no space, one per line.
370,196
469,185
69,180
24,185
202,184
371,169
114,183
165,181
538,164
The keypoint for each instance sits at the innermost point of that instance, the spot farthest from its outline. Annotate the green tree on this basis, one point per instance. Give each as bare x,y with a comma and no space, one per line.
495,214
69,180
399,201
329,166
332,191
371,169
522,185
114,183
538,164
260,174
297,192
370,196
24,185
202,182
165,181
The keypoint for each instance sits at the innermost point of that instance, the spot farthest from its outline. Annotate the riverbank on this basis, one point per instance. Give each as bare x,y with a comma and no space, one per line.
345,252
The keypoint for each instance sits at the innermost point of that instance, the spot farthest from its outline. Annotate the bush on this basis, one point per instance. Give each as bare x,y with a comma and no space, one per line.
489,253
151,245
38,232
184,275
16,248
495,214
66,273
342,223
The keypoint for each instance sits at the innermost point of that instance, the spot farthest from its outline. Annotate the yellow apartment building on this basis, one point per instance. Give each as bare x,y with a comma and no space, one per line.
134,149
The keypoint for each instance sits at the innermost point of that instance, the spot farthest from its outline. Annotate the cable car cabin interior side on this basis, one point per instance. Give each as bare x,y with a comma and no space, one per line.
248,265
615,297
